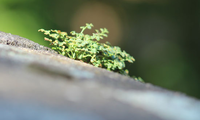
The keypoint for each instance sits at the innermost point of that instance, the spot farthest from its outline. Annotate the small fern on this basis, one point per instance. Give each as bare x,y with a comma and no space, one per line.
86,48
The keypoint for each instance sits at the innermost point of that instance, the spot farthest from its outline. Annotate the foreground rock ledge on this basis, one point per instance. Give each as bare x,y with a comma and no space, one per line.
38,84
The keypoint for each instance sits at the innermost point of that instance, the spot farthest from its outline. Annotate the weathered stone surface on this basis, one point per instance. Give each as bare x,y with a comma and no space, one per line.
15,40
38,84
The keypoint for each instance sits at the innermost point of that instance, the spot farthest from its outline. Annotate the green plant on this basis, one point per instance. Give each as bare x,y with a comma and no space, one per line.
86,48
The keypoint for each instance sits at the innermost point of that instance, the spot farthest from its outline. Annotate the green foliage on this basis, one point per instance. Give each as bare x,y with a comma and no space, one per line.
138,79
86,48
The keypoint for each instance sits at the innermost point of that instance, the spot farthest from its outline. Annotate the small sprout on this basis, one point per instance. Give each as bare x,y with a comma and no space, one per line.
138,79
86,48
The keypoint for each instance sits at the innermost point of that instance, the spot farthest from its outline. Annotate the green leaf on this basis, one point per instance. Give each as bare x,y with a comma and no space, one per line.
73,32
82,27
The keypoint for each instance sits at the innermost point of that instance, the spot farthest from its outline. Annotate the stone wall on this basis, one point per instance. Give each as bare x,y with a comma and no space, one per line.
38,84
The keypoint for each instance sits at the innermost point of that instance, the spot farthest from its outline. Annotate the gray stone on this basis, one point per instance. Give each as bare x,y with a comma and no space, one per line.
15,40
38,84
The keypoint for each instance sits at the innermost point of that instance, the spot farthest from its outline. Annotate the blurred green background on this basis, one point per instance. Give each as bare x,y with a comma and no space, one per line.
162,35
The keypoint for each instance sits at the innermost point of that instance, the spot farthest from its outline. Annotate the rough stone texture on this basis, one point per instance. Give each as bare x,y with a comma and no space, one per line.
15,40
38,84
